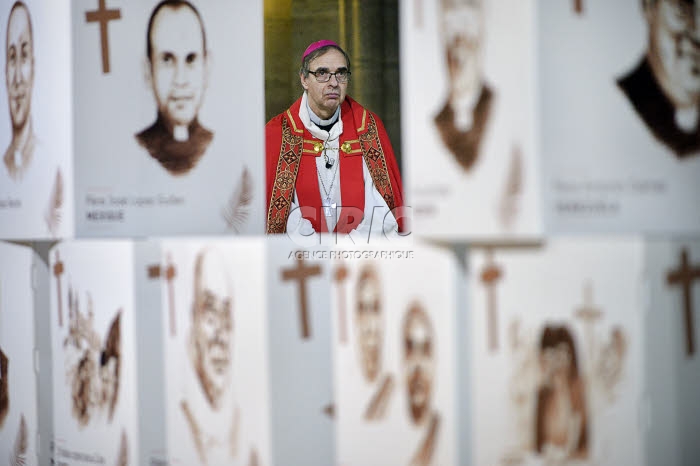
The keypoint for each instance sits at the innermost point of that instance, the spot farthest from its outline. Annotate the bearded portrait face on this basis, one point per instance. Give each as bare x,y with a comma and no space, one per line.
369,323
212,326
419,361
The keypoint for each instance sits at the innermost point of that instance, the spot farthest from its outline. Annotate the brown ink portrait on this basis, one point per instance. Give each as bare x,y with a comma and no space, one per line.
465,115
177,69
369,332
561,430
369,323
19,80
418,348
210,349
664,87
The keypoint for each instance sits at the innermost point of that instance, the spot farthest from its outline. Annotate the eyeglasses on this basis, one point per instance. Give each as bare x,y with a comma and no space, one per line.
323,75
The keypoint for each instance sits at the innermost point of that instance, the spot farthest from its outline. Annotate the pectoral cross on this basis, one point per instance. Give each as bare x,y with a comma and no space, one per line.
57,272
102,15
684,276
588,314
301,273
341,273
328,208
489,276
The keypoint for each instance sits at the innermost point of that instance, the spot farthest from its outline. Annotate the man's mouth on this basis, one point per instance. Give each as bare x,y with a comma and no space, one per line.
332,95
178,99
219,364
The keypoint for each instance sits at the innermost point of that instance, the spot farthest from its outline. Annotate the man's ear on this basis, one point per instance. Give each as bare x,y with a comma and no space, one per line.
207,66
146,70
302,79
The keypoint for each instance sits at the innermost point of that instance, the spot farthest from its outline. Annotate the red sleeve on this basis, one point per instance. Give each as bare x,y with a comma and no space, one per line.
392,167
273,142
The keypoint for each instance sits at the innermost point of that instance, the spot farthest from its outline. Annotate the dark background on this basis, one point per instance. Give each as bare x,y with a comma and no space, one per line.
367,30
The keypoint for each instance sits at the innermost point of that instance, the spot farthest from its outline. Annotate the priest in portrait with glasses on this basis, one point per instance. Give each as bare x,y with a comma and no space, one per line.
329,163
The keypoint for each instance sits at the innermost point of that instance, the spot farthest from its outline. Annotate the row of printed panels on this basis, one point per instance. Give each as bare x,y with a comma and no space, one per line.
255,352
519,119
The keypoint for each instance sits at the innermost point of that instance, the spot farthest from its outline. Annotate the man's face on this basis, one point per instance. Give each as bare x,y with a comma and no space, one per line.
556,363
324,98
19,67
213,326
462,27
178,64
419,363
674,31
369,327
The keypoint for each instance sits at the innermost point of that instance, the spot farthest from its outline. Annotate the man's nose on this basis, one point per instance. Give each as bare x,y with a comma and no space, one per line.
17,76
333,78
180,73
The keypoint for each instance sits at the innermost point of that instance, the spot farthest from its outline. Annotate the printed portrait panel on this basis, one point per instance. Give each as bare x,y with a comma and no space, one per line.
94,361
170,117
36,190
619,109
216,363
395,369
299,285
557,352
468,81
673,362
18,389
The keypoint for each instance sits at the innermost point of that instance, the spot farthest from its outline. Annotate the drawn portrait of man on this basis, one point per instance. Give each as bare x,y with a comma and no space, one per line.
419,365
369,332
418,340
177,69
463,119
212,406
19,80
561,431
369,321
664,88
4,388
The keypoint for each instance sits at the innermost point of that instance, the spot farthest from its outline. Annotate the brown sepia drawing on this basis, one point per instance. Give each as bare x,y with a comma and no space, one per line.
123,458
418,346
237,210
19,80
19,451
53,216
177,65
210,349
92,368
4,387
664,87
369,331
561,420
465,115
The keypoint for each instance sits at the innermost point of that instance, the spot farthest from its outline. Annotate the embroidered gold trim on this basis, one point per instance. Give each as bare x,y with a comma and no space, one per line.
285,179
294,125
373,154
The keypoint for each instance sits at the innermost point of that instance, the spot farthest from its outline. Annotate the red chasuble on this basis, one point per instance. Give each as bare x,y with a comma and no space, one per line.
291,153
